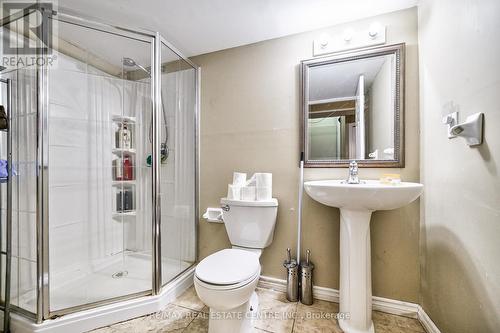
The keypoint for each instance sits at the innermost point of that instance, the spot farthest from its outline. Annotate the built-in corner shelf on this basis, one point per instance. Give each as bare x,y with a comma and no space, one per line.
122,151
124,183
119,215
123,119
123,186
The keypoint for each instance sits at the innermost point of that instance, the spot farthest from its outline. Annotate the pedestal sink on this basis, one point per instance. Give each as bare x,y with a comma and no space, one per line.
356,203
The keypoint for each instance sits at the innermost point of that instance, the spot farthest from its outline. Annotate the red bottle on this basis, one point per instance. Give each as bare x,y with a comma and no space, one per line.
128,170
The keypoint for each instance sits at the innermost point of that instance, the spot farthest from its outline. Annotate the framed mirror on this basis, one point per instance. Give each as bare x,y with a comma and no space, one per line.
353,108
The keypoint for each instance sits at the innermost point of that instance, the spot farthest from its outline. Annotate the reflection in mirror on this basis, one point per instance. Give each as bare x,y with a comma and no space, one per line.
350,106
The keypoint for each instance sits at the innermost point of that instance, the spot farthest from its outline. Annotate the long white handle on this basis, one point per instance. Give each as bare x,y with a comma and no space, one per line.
299,213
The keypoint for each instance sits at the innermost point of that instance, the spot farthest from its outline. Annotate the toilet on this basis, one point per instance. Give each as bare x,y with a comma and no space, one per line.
226,280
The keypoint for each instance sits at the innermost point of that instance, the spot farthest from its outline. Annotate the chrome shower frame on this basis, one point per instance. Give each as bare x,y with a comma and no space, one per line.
43,311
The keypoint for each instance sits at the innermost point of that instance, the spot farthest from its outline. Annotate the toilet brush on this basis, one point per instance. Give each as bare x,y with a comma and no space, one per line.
292,278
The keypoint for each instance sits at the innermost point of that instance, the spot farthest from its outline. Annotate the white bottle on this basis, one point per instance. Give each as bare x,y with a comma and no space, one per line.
126,137
123,137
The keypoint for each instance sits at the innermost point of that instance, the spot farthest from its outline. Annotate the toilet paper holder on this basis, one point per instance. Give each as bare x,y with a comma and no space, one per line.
214,215
471,130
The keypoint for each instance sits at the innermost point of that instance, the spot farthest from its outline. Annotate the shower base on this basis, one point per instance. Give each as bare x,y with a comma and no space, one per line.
125,275
87,320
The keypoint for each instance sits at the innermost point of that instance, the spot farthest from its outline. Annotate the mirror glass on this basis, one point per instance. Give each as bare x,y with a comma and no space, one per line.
351,109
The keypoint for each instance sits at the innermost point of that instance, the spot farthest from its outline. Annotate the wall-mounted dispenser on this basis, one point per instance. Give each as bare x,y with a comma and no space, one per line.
471,130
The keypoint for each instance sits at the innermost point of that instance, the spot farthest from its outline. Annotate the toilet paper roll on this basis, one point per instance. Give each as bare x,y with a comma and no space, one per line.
264,179
248,193
264,193
251,181
233,192
239,178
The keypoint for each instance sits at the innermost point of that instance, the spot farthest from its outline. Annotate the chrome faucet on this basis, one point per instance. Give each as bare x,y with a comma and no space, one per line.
353,173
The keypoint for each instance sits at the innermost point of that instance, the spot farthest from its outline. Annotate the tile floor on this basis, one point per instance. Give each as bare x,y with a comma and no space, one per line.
188,314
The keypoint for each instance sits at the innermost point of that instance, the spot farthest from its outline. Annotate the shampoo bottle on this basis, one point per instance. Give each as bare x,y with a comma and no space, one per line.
118,168
123,137
128,170
126,137
118,136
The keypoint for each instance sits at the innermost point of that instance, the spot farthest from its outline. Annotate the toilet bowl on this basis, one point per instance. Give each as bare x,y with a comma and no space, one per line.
226,280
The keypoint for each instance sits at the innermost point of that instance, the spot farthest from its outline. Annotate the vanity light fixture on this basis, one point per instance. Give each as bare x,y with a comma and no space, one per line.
349,39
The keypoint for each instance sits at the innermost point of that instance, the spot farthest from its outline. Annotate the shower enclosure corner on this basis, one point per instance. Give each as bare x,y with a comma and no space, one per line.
103,168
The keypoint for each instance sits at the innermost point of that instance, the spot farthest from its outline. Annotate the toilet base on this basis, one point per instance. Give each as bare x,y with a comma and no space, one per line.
238,320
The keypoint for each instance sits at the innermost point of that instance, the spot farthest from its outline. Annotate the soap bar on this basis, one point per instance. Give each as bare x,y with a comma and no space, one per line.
390,178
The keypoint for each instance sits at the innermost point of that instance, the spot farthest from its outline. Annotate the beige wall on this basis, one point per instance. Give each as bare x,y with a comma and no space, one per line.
459,57
250,122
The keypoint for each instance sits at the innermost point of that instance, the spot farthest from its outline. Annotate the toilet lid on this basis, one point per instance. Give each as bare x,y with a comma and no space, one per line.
229,266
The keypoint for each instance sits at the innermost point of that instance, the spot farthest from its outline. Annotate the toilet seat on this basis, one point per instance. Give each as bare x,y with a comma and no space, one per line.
228,269
228,287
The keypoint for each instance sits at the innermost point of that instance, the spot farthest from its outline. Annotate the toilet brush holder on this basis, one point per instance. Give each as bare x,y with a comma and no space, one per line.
306,285
292,278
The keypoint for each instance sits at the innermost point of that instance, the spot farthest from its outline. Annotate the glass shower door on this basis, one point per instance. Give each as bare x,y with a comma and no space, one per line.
99,183
5,202
178,165
22,130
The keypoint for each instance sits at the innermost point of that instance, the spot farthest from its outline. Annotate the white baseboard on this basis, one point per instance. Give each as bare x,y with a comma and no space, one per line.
271,283
393,306
426,321
400,308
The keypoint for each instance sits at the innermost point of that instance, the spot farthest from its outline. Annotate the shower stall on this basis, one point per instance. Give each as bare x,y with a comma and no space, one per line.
100,202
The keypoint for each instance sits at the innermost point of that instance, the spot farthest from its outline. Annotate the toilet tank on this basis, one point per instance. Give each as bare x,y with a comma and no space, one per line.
250,223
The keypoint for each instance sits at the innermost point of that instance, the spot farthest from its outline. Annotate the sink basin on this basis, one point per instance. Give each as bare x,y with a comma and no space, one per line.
369,195
356,203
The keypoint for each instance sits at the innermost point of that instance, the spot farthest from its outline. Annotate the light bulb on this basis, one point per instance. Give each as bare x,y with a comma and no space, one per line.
348,35
323,40
373,30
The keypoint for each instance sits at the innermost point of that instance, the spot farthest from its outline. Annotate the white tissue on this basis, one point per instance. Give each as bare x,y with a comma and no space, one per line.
263,179
251,181
239,178
248,193
233,192
264,193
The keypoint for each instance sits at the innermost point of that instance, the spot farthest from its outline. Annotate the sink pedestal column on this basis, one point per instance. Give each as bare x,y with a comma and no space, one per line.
355,272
